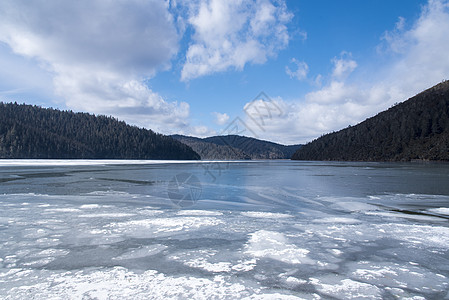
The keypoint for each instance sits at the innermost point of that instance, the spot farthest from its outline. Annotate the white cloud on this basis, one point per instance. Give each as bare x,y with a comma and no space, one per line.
99,53
343,66
302,122
220,118
197,131
124,98
425,61
302,69
395,40
12,80
230,34
131,36
419,60
202,131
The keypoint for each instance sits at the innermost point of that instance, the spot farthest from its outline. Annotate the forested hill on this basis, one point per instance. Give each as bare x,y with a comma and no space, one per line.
210,150
415,129
33,132
237,147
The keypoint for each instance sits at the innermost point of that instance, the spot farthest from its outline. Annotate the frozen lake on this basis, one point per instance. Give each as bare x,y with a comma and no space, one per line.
223,230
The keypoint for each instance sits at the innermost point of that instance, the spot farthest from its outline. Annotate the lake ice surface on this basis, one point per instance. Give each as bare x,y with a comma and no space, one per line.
253,230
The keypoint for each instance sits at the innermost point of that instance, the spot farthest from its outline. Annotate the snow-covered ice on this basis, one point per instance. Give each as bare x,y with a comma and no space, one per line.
69,233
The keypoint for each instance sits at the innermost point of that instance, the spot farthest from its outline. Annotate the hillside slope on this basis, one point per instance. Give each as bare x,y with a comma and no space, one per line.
33,132
237,147
212,151
415,129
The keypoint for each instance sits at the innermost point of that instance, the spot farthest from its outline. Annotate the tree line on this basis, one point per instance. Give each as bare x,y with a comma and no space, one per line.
28,131
237,147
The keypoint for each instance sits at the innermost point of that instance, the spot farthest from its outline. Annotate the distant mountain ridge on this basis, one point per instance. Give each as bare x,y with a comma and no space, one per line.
416,129
237,147
33,132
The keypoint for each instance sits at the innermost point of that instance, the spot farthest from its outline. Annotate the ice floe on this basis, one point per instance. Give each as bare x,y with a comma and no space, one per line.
268,215
274,245
440,210
199,213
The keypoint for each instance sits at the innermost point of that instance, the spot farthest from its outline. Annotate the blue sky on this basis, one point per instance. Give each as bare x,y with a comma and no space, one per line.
196,67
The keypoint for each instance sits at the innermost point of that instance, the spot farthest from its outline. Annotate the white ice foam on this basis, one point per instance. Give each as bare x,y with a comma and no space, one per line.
150,212
199,213
333,220
268,215
271,296
51,253
119,283
441,210
106,215
216,267
90,206
346,288
214,261
245,265
62,210
39,262
396,275
162,226
274,245
430,236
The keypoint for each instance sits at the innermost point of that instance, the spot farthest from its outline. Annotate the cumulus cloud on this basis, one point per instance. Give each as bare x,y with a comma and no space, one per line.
302,121
295,122
418,59
131,36
302,69
425,60
99,53
202,131
343,66
230,34
220,118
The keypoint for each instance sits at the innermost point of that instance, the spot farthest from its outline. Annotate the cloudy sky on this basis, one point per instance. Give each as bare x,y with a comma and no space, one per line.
286,71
